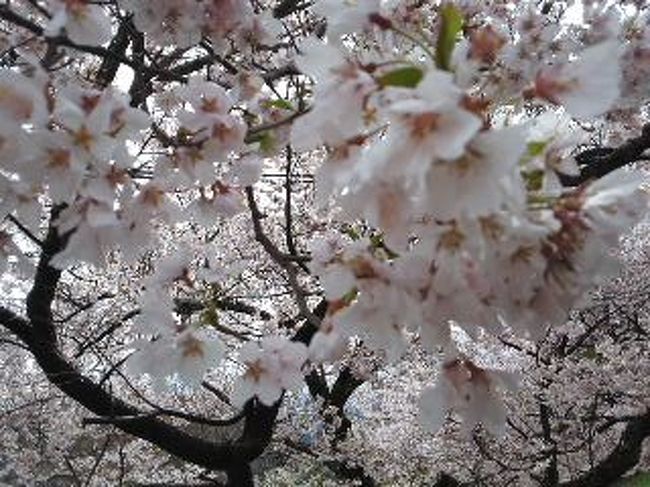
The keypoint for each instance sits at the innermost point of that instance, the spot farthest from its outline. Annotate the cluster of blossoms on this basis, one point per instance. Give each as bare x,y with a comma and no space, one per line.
474,228
82,21
71,144
69,147
271,367
178,350
184,23
181,23
429,147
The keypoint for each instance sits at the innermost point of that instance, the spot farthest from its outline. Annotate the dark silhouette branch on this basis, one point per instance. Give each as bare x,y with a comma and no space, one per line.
288,7
39,334
596,163
622,458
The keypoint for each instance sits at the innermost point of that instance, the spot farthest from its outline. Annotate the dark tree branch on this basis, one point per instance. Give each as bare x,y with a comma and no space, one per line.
39,335
26,231
10,16
288,7
551,475
40,297
97,400
279,258
110,64
350,471
596,163
189,306
624,457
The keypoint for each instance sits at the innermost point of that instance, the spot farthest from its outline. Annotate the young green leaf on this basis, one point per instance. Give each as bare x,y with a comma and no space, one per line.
451,26
407,77
279,103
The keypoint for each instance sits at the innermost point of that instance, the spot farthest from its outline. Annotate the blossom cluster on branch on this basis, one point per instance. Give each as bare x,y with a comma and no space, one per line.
441,137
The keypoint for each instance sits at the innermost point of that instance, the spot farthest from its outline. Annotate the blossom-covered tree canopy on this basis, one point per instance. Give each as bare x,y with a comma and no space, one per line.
231,227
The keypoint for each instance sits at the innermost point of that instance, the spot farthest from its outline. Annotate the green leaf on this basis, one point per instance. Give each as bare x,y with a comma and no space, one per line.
450,31
350,296
536,147
534,179
266,141
408,77
279,103
210,316
377,242
351,232
590,353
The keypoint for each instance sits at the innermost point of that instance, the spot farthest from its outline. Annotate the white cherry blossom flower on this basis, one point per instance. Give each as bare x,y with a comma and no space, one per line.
428,125
337,280
479,181
57,164
225,135
14,147
613,204
172,268
86,117
95,226
459,292
586,87
20,198
174,22
156,311
224,202
327,344
84,22
22,99
206,98
272,366
469,390
225,17
185,356
435,123
378,316
152,201
387,205
341,89
257,30
195,352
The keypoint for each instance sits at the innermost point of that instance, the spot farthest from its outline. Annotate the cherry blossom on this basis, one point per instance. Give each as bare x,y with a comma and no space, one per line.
187,356
272,366
83,22
341,92
471,391
587,87
326,194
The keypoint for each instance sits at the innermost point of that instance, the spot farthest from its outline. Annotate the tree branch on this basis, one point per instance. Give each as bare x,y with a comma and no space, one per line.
624,457
601,161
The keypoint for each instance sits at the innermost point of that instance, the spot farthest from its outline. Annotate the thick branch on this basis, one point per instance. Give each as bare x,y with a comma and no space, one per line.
108,69
40,297
288,7
600,162
40,337
171,439
551,474
624,457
